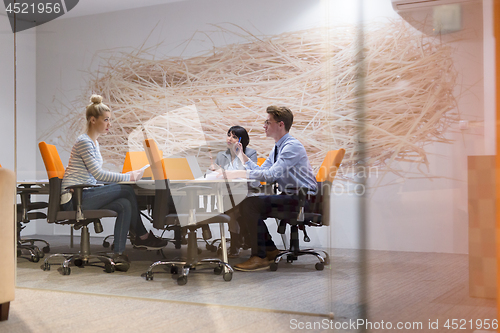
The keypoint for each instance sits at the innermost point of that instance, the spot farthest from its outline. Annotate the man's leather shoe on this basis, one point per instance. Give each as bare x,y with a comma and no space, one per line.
271,255
255,263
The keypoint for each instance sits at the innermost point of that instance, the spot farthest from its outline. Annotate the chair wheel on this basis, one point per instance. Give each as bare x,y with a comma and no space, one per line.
228,276
46,266
210,247
273,267
199,251
78,262
108,268
218,270
182,280
327,261
289,260
105,244
319,266
34,257
174,270
46,249
66,271
40,254
149,276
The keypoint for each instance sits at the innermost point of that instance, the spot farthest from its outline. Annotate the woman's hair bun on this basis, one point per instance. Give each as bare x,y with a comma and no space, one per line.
96,99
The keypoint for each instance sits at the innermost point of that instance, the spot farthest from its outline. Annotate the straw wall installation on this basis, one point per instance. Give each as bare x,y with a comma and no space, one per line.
410,102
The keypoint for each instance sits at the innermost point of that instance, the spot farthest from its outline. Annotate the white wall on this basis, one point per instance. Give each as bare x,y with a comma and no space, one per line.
26,114
26,104
26,99
25,81
6,93
428,214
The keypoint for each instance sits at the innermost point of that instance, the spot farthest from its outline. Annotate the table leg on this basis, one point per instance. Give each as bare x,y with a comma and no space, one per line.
220,205
71,236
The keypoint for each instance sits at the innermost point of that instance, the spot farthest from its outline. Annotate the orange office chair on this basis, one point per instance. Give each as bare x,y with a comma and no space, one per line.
78,218
261,161
26,212
318,216
135,160
165,214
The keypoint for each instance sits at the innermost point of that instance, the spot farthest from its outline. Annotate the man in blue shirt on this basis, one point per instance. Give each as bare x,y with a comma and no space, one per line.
289,167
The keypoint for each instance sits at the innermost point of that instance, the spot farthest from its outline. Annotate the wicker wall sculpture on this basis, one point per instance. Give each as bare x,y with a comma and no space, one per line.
409,94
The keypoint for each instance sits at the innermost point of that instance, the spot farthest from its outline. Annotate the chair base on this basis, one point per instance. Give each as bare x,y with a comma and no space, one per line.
34,252
182,269
31,241
291,256
4,311
80,260
28,245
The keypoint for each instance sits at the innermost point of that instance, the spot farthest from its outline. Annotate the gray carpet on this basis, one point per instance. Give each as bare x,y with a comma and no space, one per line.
299,286
45,311
400,286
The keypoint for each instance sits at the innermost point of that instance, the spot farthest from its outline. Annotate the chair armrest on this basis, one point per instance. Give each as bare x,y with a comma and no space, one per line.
78,195
302,202
26,190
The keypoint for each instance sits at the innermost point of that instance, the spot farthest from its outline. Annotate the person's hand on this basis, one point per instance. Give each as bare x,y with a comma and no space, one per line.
213,167
238,148
135,175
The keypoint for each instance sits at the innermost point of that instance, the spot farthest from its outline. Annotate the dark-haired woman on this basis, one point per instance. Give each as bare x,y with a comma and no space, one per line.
228,160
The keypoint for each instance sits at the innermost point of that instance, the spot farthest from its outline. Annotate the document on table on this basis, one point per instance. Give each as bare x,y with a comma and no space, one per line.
210,175
214,175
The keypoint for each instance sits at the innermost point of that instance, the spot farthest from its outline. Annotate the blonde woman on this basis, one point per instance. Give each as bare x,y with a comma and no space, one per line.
85,167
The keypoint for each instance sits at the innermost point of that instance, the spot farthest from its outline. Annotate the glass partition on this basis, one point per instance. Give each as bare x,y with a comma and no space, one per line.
402,86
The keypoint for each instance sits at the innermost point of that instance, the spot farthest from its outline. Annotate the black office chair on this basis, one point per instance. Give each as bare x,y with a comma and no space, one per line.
28,211
317,216
165,216
25,214
80,219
